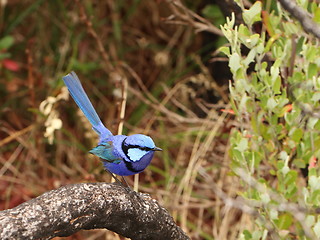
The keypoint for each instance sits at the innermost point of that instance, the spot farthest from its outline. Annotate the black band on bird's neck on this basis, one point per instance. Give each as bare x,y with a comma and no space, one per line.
129,164
125,148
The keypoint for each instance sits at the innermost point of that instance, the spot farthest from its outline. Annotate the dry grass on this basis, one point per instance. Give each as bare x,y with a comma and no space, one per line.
144,74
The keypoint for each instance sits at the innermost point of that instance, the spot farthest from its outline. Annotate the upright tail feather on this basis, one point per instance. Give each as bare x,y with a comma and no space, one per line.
80,97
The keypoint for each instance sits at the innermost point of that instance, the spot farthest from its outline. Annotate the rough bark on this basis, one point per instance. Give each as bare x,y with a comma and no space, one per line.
66,210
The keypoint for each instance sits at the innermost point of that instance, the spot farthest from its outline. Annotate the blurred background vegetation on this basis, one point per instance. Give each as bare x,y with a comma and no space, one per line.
174,94
161,59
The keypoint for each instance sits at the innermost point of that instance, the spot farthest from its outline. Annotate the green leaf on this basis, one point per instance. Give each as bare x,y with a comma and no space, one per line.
85,67
296,134
274,214
283,155
299,163
236,154
253,14
265,198
285,170
225,50
312,122
234,62
6,42
244,31
210,10
284,221
317,126
312,70
254,39
314,183
247,235
311,52
316,17
315,197
276,85
316,97
316,228
274,71
310,220
213,12
291,177
290,28
242,145
250,58
271,103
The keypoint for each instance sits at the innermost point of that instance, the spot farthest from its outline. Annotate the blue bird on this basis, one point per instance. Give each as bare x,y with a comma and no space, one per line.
122,155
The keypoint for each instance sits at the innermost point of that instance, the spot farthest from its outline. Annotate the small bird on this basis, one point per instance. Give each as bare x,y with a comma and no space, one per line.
122,155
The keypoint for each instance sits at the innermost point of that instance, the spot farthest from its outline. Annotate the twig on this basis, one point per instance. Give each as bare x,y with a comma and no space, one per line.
31,79
302,16
297,211
16,134
190,18
252,207
86,20
124,93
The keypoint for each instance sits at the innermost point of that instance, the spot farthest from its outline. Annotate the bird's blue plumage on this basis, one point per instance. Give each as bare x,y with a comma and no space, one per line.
80,97
122,155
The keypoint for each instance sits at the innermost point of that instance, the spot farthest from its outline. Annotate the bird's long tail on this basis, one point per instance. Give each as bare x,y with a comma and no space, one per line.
80,97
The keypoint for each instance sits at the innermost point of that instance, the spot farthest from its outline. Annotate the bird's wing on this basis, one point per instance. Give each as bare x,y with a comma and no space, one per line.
105,152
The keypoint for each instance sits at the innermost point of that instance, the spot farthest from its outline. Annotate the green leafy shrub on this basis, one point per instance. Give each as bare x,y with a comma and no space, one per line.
275,95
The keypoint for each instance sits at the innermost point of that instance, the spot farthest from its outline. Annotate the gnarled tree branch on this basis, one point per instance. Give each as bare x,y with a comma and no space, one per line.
66,210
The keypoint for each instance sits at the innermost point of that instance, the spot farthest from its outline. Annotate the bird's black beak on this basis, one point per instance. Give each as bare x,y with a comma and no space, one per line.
157,149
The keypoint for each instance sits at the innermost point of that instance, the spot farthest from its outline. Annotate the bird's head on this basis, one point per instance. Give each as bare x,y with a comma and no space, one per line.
137,146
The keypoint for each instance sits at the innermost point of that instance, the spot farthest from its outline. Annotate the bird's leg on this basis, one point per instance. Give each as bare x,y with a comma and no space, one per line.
125,181
114,177
127,187
118,181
